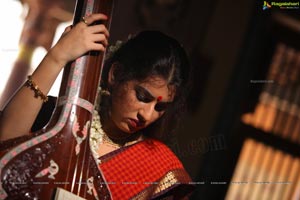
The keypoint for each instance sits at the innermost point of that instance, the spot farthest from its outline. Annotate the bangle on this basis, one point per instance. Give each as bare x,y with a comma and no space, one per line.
37,92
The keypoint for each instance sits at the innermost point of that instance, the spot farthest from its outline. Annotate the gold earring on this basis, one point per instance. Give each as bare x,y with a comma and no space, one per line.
105,92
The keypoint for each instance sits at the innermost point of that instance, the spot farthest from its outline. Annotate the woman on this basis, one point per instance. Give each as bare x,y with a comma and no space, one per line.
142,92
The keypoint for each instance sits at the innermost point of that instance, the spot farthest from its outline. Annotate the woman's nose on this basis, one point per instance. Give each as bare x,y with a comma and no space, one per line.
147,111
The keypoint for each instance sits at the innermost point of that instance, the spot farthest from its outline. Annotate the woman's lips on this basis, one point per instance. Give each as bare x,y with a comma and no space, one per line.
135,123
132,123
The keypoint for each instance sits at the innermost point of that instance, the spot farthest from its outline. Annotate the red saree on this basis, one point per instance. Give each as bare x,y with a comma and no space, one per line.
145,170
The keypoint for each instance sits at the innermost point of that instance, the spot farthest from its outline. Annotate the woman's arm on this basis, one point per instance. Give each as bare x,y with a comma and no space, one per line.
22,109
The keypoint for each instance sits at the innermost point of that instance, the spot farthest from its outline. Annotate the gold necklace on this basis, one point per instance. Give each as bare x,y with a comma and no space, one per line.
111,143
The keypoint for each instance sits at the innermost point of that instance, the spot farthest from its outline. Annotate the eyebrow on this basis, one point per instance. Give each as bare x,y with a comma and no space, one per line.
145,91
149,95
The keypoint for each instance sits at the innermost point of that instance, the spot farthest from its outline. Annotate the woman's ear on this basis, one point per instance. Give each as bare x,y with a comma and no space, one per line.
111,76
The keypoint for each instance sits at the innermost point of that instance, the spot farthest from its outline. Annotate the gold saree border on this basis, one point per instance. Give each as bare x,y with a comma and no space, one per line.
169,181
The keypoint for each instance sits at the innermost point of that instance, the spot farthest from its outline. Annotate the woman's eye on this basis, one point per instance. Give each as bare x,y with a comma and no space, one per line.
141,97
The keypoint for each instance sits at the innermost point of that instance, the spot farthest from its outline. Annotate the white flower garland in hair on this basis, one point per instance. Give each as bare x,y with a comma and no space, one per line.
113,48
96,136
96,131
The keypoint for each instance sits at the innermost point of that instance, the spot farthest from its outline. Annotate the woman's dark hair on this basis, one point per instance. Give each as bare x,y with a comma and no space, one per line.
152,53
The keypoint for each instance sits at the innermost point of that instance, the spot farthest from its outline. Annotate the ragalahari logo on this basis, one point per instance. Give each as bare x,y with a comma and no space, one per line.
281,5
266,5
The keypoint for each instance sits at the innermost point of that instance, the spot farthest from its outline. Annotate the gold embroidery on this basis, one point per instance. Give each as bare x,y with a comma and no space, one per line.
172,178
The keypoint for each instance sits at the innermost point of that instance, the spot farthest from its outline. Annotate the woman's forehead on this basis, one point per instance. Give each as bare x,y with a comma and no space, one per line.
155,81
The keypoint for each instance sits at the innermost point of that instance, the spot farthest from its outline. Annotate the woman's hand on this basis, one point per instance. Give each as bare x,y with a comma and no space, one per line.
77,40
73,43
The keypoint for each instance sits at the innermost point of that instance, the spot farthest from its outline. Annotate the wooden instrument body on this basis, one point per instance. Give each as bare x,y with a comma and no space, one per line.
61,157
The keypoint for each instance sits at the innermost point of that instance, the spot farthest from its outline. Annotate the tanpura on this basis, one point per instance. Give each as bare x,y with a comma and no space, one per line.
57,162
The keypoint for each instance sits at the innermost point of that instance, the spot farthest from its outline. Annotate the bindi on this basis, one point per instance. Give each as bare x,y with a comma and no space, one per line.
159,98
